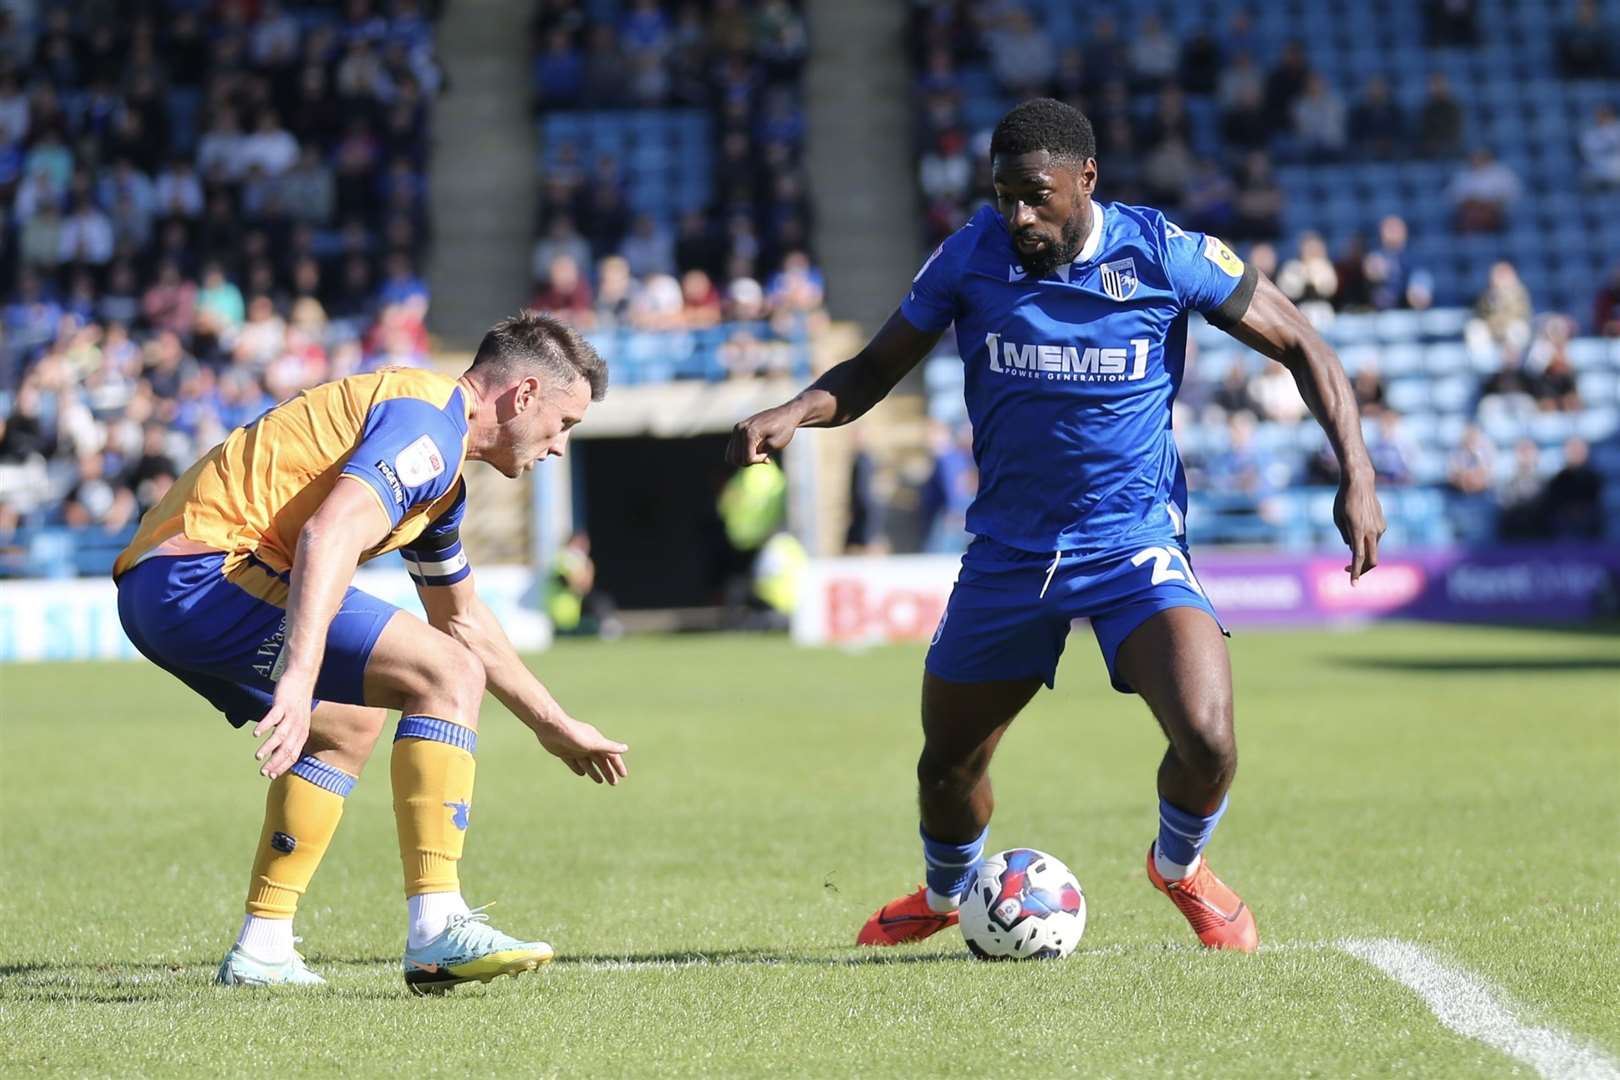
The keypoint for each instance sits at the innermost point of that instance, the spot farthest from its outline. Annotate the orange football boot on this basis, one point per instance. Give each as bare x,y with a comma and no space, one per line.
906,919
1218,915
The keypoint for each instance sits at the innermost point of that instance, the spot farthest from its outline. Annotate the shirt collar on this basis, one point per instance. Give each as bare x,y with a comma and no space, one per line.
1093,242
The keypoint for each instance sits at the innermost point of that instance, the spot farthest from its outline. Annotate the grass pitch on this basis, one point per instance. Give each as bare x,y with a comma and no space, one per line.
1456,788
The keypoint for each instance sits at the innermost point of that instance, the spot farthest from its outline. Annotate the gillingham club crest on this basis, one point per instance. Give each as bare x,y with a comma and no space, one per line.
1119,278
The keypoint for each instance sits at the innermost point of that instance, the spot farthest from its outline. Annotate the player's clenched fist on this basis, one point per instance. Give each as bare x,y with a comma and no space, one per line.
753,440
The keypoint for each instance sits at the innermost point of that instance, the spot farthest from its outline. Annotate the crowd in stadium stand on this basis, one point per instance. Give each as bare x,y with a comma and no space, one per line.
212,207
1139,84
739,259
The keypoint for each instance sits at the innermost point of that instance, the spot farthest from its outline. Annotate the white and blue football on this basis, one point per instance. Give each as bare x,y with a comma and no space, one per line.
1024,905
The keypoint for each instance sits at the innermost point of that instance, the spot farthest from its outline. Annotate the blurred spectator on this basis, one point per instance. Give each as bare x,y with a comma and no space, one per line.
1285,83
1021,55
1244,124
307,191
1600,148
1233,396
1471,468
558,77
649,249
951,485
697,245
219,305
1555,388
1277,395
1240,80
1259,199
1263,257
1392,281
864,534
1168,170
615,291
1502,312
1440,121
573,601
560,239
1154,54
1391,452
1210,202
150,475
945,171
1606,306
1319,120
1451,22
1571,501
1240,468
1354,292
1586,44
1377,124
1519,494
658,304
1201,65
1309,279
1511,387
177,192
1482,193
1368,386
97,501
700,301
565,292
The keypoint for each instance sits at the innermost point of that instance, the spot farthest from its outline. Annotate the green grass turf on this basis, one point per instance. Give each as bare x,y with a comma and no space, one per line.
1454,787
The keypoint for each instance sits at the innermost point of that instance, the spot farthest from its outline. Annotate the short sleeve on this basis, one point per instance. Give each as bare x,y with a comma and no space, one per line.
1208,276
409,452
436,557
930,304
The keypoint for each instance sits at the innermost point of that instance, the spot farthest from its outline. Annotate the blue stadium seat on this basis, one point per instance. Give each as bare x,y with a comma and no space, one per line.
1598,423
1401,357
1407,395
1454,394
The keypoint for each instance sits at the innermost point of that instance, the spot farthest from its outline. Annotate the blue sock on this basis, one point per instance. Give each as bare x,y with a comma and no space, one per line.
1182,836
951,867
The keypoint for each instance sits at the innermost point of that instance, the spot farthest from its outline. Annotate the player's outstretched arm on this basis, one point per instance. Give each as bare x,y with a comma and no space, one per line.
1275,327
330,544
843,394
460,612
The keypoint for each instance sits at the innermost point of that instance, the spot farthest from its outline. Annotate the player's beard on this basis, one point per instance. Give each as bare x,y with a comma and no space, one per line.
1052,256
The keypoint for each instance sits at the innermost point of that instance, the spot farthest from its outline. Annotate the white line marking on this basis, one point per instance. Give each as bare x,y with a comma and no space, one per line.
1467,1005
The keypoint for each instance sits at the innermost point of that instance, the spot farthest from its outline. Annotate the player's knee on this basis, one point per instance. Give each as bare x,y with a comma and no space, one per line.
947,774
451,682
1209,747
465,683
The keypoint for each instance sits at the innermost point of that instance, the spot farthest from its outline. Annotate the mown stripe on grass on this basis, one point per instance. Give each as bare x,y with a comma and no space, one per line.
1467,1005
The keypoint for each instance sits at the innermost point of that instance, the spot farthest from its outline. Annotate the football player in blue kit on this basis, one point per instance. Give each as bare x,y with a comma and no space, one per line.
1071,320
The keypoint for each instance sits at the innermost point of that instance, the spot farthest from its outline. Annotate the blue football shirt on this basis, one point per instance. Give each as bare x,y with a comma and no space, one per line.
1070,378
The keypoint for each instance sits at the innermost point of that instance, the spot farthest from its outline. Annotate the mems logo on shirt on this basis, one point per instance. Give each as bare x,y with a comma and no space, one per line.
1067,363
419,462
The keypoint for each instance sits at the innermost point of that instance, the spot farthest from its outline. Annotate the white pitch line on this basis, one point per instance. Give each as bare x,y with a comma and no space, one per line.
1467,1005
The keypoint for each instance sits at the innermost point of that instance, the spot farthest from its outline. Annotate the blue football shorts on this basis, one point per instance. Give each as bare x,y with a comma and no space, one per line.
1009,614
223,634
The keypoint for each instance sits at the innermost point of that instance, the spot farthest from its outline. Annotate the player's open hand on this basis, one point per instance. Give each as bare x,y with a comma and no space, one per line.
754,440
1361,522
584,749
288,725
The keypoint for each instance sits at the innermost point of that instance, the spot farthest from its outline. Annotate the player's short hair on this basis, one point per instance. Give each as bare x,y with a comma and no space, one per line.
532,341
1045,124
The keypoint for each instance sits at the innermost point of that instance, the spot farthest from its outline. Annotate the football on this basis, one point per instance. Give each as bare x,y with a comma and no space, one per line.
1024,905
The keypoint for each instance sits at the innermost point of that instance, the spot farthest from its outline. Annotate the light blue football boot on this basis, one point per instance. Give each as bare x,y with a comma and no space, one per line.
242,968
470,950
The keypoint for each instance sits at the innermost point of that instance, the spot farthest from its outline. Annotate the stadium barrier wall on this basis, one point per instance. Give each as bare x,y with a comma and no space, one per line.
78,619
871,600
